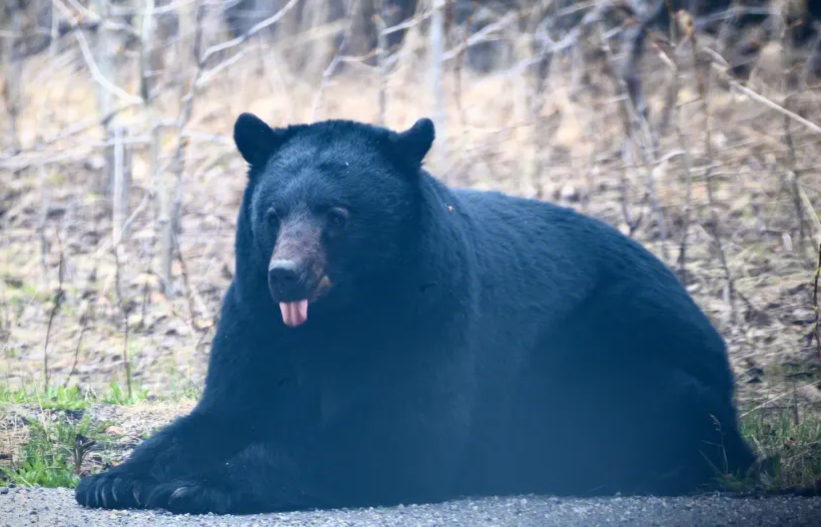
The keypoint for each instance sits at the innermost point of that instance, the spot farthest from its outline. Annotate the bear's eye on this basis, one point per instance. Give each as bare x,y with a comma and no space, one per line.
272,218
337,217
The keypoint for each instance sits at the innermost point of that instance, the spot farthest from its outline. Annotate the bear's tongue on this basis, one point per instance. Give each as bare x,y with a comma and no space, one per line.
294,313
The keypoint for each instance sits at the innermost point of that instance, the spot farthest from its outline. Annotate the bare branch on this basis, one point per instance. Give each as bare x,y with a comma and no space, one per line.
245,36
720,65
331,69
437,43
99,77
480,36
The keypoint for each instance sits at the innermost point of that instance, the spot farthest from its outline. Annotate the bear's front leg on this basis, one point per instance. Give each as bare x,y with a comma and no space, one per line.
260,478
187,447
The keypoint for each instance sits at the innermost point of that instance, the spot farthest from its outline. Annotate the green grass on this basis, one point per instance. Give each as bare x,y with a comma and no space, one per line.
55,398
58,443
73,398
790,446
119,396
54,452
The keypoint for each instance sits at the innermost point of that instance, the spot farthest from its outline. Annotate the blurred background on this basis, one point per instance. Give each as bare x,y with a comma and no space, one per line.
692,126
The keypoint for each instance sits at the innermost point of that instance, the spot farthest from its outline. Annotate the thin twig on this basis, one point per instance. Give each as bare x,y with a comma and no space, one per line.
721,66
816,329
124,311
189,291
811,212
688,191
273,19
55,308
73,369
99,77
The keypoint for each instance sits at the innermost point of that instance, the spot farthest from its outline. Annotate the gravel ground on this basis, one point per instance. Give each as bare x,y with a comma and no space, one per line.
56,508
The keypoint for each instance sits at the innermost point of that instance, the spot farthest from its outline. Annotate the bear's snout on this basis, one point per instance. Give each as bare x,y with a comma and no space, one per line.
296,268
290,281
291,286
286,279
297,262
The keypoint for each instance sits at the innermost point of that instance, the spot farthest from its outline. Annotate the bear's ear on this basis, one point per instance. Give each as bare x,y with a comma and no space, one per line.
255,140
413,144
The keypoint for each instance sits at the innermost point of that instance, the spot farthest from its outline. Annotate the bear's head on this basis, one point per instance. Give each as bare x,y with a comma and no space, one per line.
332,208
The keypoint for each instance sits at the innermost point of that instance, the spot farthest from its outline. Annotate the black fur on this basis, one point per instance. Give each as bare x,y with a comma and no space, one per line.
470,343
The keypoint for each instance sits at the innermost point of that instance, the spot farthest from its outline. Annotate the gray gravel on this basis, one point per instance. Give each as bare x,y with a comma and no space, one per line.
56,508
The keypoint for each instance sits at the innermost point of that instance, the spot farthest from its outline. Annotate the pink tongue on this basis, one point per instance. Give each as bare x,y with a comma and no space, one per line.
294,313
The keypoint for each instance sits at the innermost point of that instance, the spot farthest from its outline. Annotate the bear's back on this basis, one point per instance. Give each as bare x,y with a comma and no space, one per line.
543,267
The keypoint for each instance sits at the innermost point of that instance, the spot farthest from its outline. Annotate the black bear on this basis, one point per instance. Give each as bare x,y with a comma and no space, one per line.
388,339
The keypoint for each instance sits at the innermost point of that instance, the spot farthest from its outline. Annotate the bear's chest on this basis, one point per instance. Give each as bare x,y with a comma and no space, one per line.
366,381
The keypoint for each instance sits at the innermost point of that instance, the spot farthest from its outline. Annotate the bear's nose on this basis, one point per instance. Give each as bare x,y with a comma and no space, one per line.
285,276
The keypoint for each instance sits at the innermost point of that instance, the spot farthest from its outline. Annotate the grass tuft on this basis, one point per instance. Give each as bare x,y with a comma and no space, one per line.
789,450
59,434
54,453
53,398
119,396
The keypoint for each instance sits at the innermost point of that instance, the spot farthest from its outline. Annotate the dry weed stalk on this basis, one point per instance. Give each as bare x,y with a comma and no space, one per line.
45,205
713,228
793,175
677,113
116,249
12,83
146,39
83,328
148,259
119,203
166,228
531,82
458,70
190,292
618,84
805,200
640,138
816,329
171,211
335,61
721,66
437,50
124,311
59,295
381,59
